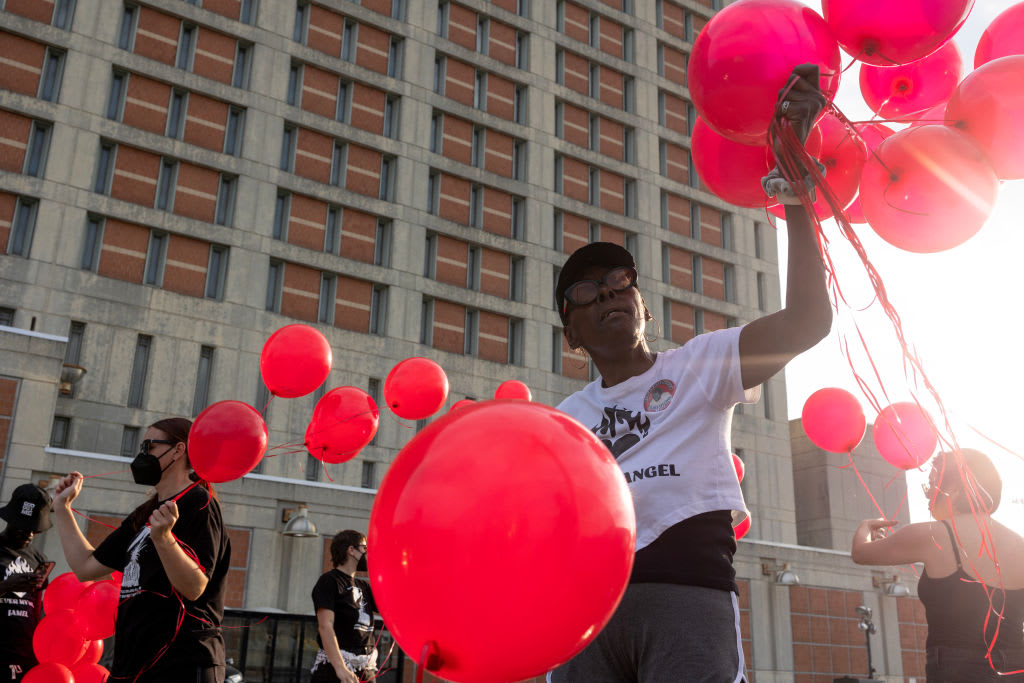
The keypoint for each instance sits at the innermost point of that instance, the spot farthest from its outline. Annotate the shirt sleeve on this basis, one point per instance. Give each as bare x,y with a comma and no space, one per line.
716,364
324,593
113,549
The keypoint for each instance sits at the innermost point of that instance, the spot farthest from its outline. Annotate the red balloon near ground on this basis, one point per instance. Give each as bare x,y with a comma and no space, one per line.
63,592
902,91
912,199
295,361
745,55
513,388
97,609
416,388
738,465
833,420
989,106
509,486
89,673
904,435
1003,37
93,653
728,169
343,422
49,672
58,638
872,135
461,404
887,33
226,441
743,528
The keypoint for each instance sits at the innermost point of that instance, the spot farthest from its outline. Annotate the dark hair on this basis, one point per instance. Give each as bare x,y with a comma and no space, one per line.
979,478
342,541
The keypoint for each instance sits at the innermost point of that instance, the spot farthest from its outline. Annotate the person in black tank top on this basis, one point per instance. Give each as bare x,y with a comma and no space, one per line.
972,585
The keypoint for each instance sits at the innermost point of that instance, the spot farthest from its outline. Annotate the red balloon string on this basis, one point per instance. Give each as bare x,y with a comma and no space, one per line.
853,466
85,516
105,474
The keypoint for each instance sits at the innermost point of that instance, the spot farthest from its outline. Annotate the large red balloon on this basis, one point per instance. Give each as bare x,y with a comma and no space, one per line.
63,592
504,487
49,672
97,609
743,528
737,464
226,441
728,169
89,673
58,638
833,420
902,91
935,115
745,55
416,388
928,188
872,135
295,361
513,388
904,435
343,422
93,653
888,32
1003,37
989,106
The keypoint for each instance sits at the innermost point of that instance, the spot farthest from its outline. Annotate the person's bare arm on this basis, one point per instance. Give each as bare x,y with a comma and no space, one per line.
903,546
325,627
77,549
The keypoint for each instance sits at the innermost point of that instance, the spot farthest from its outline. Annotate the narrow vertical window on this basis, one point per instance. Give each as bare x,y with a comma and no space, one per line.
470,338
201,397
301,21
184,59
369,475
332,230
20,240
666,265
515,342
594,186
519,104
433,192
338,164
387,178
442,19
482,34
233,132
165,184
126,36
328,287
427,322
140,368
156,254
6,316
63,11
76,336
115,104
595,133
348,37
390,117
38,147
288,147
730,284
247,14
275,276
216,272
93,242
515,280
225,200
473,268
436,132
282,208
761,294
522,51
439,75
519,160
430,256
53,70
395,57
476,206
378,309
343,112
480,90
695,221
382,244
129,441
478,146
294,85
240,74
518,218
176,114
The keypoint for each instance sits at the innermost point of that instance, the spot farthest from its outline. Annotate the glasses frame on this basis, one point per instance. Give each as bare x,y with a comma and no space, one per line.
147,443
569,298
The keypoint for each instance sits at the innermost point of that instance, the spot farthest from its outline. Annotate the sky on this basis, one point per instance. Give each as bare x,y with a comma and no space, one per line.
961,310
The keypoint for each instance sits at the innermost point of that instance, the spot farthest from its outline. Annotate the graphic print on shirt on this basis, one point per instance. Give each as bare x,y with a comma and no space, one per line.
659,395
18,566
621,429
130,582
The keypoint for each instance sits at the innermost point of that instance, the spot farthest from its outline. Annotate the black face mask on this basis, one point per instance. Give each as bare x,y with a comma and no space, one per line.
146,470
361,565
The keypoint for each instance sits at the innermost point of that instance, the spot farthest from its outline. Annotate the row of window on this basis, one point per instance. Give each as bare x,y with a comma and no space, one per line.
479,89
478,146
460,329
600,32
57,13
31,68
459,263
347,39
595,80
471,204
343,231
334,165
478,32
331,96
595,186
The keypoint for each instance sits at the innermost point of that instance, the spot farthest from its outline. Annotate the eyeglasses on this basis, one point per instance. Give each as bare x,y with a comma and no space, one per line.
586,291
148,443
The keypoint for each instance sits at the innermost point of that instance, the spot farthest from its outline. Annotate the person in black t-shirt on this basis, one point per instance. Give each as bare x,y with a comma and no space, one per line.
344,614
174,553
22,570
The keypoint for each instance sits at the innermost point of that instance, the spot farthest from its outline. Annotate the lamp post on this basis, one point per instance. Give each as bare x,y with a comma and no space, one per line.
868,627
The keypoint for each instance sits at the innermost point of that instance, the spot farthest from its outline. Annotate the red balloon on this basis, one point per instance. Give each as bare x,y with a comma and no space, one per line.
728,169
887,33
461,404
927,189
1003,37
49,672
743,528
989,106
343,422
738,465
904,435
97,609
935,115
58,638
902,91
63,592
416,388
506,486
295,361
833,420
89,673
513,388
227,440
871,135
93,653
745,55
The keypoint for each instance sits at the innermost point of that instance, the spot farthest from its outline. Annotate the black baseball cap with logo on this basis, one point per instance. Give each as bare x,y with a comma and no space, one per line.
28,509
594,254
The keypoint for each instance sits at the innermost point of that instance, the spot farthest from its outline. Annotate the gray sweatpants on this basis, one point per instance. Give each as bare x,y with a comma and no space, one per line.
663,633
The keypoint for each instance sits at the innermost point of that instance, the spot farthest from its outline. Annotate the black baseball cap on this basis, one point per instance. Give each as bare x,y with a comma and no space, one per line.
593,254
28,509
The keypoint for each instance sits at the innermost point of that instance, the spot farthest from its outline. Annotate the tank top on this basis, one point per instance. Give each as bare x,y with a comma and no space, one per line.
957,605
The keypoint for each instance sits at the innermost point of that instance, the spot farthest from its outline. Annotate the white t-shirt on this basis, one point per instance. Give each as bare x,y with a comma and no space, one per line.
669,429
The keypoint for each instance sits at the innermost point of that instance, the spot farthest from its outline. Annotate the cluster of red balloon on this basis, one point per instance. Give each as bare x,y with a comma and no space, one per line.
903,432
68,642
911,70
742,528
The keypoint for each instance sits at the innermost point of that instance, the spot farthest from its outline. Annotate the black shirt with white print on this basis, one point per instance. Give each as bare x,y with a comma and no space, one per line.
148,636
353,609
19,612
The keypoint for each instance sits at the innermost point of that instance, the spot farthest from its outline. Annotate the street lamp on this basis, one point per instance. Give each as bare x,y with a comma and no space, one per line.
868,627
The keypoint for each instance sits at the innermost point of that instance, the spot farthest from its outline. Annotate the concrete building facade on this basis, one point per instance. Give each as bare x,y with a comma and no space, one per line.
180,179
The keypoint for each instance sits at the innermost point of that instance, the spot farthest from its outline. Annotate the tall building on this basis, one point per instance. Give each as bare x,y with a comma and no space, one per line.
182,178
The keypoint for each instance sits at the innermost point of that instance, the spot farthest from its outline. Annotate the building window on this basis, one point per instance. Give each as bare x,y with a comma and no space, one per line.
470,338
301,22
515,280
338,156
332,230
6,316
522,50
104,168
282,208
313,466
156,254
439,75
761,303
730,283
523,8
275,281
436,132
595,30
473,268
727,236
556,350
294,85
126,36
59,431
129,441
288,147
348,38
247,14
757,240
442,19
594,186
76,335
692,180
629,189
518,218
433,192
480,90
628,49
165,184
63,11
430,256
233,132
482,34
328,292
115,104
216,272
185,47
378,309
344,110
629,144
225,200
698,322
38,146
22,227
476,206
262,401
594,81
93,242
695,221
176,114
515,342
140,368
427,322
390,129
240,74
369,476
53,70
519,160
200,399
519,104
559,170
382,244
697,270
479,146
395,57
387,178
